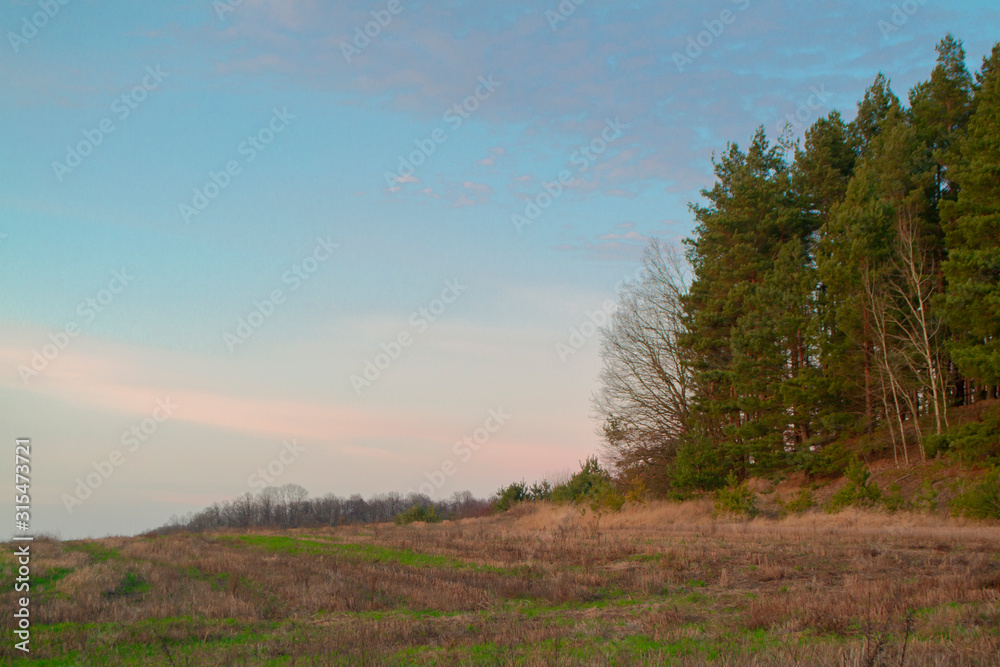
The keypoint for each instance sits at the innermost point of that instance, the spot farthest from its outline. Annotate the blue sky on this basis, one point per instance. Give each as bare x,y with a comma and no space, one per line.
202,81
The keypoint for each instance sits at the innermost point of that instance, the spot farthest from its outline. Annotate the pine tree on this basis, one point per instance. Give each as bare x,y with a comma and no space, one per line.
940,109
823,168
853,240
973,237
775,378
752,214
821,174
991,63
878,101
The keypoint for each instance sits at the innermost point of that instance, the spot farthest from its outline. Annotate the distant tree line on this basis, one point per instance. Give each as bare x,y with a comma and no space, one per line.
289,506
831,287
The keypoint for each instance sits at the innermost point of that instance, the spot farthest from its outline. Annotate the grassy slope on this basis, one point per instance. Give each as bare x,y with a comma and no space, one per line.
540,585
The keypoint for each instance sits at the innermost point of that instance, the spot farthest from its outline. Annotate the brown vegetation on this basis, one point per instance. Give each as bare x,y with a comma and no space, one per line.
541,584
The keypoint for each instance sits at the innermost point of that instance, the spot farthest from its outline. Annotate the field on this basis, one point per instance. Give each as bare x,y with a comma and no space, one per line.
658,583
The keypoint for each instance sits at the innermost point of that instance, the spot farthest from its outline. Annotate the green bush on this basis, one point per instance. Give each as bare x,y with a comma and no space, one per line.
736,498
508,496
698,466
829,460
935,444
893,500
859,491
802,502
542,491
590,483
969,444
606,498
982,501
425,513
637,492
520,492
926,498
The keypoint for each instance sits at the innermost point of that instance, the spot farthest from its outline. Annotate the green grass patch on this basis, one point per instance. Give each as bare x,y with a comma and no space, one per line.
50,577
97,552
131,584
363,552
145,642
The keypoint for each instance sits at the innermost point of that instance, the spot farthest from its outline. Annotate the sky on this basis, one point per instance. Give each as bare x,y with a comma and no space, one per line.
362,246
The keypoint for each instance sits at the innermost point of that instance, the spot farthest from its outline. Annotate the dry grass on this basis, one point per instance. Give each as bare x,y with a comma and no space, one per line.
541,585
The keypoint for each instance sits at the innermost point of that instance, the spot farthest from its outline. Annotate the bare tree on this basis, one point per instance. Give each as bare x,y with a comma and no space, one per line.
646,383
889,372
920,331
907,334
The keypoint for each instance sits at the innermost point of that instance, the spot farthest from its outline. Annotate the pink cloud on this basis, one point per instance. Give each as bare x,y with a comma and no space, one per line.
110,382
478,188
628,236
495,152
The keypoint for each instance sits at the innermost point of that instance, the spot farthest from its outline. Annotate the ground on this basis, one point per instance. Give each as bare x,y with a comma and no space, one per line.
659,583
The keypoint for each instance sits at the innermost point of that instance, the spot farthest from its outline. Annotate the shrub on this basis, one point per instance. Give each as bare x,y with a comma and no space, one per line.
592,481
859,491
699,466
735,498
829,460
637,492
802,502
606,498
425,513
982,501
893,500
971,443
541,491
520,492
935,444
926,498
508,496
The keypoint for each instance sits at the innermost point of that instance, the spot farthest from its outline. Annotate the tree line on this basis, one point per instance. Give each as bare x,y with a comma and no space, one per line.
289,506
832,286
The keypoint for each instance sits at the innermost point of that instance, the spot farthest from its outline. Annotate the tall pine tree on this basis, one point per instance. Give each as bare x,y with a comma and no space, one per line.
973,237
821,174
852,240
940,109
741,359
